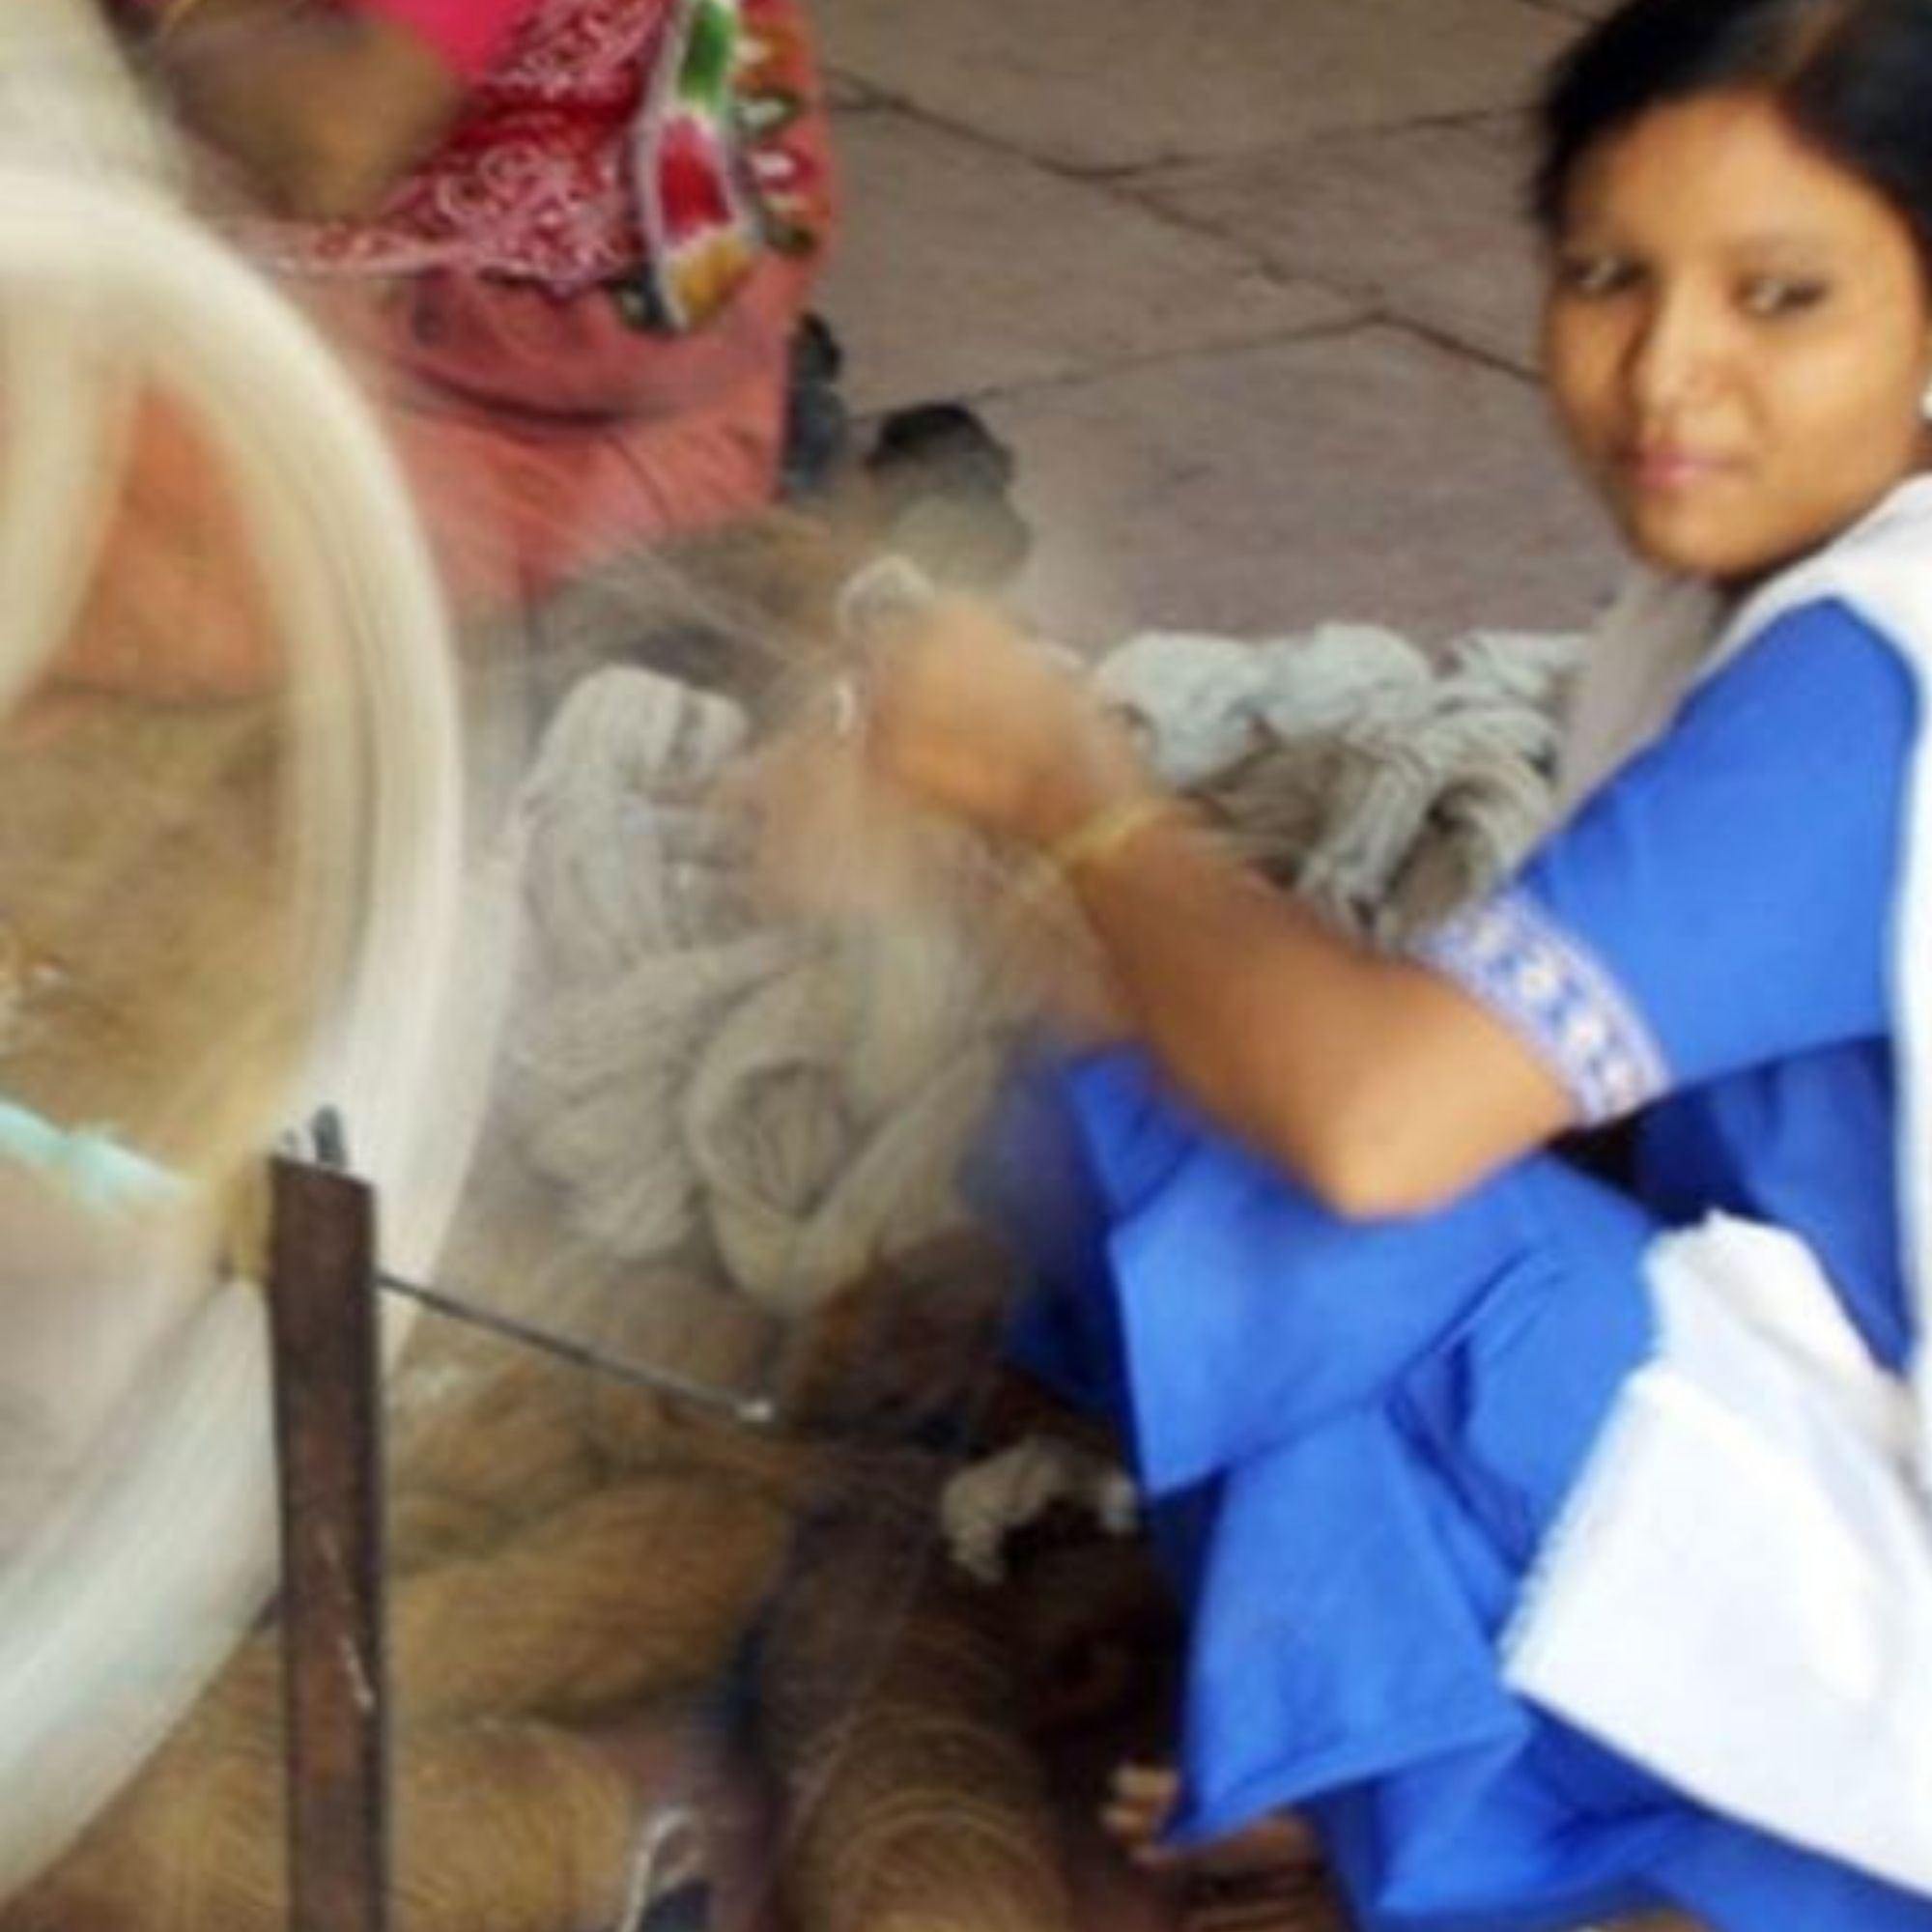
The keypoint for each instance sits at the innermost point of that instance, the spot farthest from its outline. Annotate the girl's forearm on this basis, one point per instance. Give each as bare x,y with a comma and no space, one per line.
1383,1089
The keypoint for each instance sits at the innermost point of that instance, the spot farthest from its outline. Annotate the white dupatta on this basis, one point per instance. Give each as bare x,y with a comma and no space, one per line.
1740,1593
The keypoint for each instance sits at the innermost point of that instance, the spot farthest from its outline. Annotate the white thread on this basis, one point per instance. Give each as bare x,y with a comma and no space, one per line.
878,595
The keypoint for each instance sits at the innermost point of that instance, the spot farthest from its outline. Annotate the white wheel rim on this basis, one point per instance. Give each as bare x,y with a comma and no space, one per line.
114,1615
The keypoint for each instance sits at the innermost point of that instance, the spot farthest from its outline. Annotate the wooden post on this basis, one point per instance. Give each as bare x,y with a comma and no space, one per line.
327,1390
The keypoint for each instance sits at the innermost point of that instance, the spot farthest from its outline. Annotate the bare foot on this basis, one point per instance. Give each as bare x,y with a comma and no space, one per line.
1141,1799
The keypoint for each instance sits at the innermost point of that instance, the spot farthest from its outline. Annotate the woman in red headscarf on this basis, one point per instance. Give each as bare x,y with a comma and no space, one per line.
573,237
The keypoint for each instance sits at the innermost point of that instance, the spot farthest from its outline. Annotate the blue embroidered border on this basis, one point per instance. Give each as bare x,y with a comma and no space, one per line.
1537,978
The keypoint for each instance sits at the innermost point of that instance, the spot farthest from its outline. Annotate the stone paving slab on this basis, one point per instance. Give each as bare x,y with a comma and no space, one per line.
1369,475
1119,84
843,90
962,269
1425,223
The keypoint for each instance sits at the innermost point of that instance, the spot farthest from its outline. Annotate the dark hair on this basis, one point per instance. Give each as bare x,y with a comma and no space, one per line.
1853,76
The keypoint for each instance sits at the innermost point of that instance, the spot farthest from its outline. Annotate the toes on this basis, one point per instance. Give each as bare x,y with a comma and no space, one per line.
1146,1784
1140,1802
1131,1826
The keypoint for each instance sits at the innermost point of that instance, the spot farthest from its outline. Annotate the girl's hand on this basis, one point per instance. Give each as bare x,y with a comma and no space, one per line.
976,720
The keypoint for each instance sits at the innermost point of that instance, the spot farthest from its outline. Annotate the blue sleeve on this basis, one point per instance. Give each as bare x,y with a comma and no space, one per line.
1725,900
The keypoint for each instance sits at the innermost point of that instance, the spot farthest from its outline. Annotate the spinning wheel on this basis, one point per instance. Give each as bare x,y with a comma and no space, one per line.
136,1514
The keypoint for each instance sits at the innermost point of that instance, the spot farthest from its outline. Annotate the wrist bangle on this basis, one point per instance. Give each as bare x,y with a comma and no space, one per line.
1095,838
1107,830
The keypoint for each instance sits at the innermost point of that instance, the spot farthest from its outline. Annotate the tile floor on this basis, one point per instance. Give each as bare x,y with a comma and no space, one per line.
1244,282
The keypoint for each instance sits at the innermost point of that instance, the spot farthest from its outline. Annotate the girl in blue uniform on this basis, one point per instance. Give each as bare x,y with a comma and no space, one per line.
1399,1380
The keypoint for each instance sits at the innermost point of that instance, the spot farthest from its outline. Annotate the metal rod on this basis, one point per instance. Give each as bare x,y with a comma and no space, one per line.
324,1324
756,1412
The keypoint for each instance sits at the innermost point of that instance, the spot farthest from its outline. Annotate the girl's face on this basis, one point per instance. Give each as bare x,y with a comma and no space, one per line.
1737,338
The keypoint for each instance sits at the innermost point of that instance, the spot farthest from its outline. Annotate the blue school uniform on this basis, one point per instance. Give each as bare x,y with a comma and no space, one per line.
1354,1439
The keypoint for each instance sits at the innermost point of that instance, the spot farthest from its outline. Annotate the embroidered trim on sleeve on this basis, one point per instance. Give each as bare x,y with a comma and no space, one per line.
1539,980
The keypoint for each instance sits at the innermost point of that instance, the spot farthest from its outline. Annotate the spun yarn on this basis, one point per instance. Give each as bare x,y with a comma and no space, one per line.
794,1097
912,1800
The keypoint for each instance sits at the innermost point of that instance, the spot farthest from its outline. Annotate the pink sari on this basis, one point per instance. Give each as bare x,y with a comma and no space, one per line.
495,297
546,434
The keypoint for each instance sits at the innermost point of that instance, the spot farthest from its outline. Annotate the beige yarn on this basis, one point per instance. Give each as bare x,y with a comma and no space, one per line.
502,1827
1376,781
688,1068
912,1800
504,1820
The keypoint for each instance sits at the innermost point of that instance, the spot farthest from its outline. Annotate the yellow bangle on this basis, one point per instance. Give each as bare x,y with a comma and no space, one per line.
1095,838
1107,831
